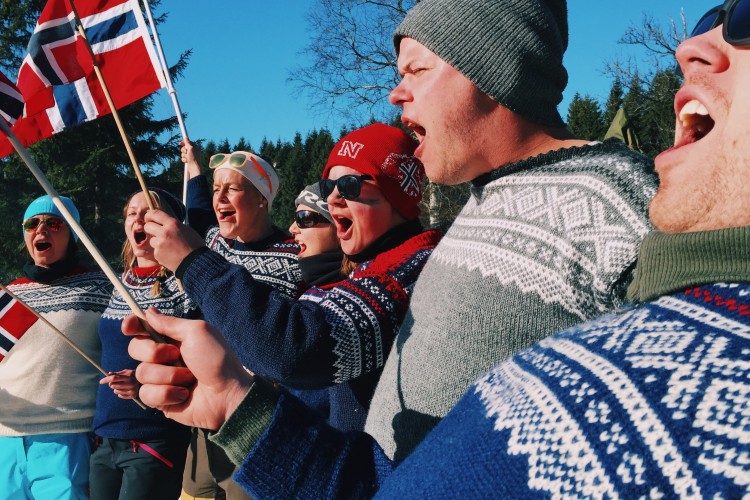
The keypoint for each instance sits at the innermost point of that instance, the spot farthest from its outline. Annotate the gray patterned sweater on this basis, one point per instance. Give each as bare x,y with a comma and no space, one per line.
541,245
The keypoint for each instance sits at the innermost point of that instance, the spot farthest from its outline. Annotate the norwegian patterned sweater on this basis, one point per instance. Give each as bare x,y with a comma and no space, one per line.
46,387
118,418
272,261
330,335
648,402
541,245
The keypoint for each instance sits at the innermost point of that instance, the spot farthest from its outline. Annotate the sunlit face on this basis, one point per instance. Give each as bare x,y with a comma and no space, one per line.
362,221
45,246
314,240
135,214
445,110
703,178
237,205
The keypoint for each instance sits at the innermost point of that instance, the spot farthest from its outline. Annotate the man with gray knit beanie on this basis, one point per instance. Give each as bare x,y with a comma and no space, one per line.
550,234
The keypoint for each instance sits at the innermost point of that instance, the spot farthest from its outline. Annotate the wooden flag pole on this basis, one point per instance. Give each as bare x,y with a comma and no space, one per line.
64,337
82,235
172,92
115,114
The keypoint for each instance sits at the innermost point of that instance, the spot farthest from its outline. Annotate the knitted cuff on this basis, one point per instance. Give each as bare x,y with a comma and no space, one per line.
243,429
182,268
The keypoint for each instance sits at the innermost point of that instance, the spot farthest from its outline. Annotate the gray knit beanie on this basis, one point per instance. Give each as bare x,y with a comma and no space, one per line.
310,198
512,50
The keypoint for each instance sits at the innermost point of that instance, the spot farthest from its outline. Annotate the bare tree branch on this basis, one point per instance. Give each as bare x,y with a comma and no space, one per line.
352,64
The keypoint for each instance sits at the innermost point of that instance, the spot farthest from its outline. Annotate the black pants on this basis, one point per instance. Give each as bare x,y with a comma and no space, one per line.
124,470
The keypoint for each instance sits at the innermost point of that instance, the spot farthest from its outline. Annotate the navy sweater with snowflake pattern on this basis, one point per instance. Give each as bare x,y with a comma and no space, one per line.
330,335
650,401
272,261
118,418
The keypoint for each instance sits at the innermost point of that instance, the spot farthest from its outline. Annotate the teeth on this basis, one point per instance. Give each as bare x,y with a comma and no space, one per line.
689,110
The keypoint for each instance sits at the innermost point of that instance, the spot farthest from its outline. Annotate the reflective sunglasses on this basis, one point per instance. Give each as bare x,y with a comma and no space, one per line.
52,223
734,15
308,218
349,186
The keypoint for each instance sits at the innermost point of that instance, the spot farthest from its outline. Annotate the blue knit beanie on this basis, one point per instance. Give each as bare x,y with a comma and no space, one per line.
44,205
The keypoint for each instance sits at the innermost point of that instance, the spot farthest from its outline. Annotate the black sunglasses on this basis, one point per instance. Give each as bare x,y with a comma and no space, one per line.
734,15
349,186
308,218
52,223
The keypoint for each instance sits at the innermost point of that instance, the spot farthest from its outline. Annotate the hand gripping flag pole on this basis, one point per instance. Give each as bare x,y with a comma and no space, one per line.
83,236
172,93
62,335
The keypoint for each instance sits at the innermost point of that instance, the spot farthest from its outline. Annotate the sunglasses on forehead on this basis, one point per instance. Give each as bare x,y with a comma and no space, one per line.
349,186
734,15
308,218
52,223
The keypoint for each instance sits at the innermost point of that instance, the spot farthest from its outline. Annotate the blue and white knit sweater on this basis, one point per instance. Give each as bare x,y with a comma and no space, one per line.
46,387
121,418
329,335
651,401
272,261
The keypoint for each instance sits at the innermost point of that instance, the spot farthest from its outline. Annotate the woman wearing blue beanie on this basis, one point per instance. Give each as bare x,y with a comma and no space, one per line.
48,389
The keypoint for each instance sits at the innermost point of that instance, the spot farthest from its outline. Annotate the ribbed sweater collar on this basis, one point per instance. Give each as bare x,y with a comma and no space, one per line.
610,146
671,262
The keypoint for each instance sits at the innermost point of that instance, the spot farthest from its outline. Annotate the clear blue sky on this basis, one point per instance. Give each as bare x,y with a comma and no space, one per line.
236,82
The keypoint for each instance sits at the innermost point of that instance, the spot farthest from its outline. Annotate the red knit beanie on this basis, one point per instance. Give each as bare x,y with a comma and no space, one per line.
385,153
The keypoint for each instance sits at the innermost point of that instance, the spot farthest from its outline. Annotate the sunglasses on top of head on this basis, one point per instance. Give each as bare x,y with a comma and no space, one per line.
309,218
349,186
734,15
52,223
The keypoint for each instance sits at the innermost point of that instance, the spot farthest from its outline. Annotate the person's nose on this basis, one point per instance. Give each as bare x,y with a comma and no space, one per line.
702,54
399,94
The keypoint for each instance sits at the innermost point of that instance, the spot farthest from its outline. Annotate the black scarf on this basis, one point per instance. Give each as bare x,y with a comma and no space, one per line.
389,240
55,271
322,269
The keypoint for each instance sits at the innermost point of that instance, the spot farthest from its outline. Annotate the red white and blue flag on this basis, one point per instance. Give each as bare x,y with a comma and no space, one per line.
11,101
57,79
15,320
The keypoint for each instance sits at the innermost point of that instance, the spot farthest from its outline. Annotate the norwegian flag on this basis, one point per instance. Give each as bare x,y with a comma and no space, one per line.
15,320
11,101
57,79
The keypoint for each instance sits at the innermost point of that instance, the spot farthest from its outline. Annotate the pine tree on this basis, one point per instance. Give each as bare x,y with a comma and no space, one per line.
658,116
584,117
614,102
88,163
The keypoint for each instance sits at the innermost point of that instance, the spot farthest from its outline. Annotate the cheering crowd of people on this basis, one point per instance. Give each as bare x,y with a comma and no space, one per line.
582,328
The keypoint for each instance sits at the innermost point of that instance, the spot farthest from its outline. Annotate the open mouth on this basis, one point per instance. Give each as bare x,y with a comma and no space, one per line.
418,130
41,246
140,237
343,223
696,122
225,214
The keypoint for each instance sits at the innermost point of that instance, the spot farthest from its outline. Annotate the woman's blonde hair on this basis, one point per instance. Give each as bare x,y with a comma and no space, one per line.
128,256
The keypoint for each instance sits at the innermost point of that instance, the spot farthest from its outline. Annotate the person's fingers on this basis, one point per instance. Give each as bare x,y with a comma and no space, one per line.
156,374
169,326
158,217
146,350
106,380
132,326
159,396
